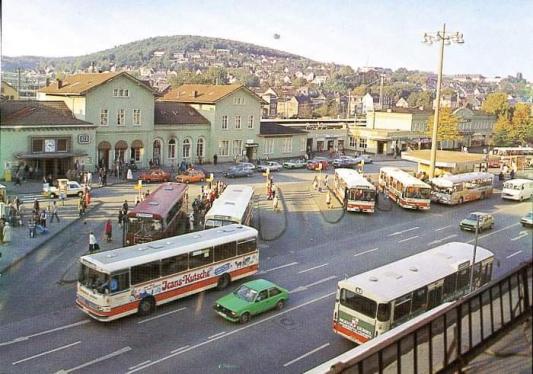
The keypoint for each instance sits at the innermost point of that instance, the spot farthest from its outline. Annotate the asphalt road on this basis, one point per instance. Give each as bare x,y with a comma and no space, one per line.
42,331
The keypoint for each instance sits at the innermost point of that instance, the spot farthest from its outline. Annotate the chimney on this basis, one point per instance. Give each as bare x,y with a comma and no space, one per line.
194,93
59,84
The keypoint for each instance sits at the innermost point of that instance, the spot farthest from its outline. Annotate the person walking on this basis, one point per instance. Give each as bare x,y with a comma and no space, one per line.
44,217
275,203
120,217
2,224
81,202
215,159
6,233
31,228
36,205
328,199
18,203
125,207
93,244
62,197
129,175
54,213
108,230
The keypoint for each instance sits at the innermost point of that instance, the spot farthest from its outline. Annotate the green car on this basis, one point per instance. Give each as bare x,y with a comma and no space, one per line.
251,298
486,221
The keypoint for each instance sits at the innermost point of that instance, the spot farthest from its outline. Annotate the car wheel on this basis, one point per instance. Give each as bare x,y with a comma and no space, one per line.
244,318
280,304
223,281
146,306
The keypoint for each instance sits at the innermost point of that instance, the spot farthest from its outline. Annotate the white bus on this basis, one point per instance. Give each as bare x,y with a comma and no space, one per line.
355,190
378,300
460,188
403,188
518,189
234,205
124,281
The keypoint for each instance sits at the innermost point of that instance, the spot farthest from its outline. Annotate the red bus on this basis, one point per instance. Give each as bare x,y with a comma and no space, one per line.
162,214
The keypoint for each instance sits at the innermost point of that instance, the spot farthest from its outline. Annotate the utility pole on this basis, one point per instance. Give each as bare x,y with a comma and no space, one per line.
381,93
474,256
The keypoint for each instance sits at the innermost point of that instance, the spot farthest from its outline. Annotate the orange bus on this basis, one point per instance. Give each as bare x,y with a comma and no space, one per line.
162,214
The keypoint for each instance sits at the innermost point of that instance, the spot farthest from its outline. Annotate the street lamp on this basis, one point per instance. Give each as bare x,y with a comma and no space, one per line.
474,256
444,38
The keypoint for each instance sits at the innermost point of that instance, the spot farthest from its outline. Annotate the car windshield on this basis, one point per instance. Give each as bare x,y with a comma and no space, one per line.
93,279
245,293
474,216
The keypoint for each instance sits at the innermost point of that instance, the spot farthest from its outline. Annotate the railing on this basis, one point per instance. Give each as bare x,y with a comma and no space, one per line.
446,340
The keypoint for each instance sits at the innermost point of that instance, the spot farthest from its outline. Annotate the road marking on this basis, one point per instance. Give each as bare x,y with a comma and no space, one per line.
410,238
142,363
362,253
45,353
161,315
249,325
305,355
304,288
494,232
214,336
23,338
443,239
96,360
180,348
522,234
443,228
277,268
313,268
401,232
514,254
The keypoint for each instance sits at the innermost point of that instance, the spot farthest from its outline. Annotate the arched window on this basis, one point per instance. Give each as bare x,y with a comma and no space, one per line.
157,152
172,149
186,148
200,147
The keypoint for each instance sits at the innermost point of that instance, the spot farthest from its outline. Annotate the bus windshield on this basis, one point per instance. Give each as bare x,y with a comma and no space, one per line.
93,279
245,293
358,303
144,226
417,193
362,195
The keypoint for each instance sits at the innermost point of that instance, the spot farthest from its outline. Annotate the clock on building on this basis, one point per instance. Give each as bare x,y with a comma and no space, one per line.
49,145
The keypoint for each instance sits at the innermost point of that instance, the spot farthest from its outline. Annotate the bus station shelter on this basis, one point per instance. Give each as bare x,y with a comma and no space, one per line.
448,162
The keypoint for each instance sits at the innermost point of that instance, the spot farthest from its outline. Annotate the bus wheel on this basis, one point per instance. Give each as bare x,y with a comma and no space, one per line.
146,306
223,281
244,318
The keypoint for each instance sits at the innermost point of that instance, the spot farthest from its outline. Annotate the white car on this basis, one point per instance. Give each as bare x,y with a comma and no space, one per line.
270,165
246,165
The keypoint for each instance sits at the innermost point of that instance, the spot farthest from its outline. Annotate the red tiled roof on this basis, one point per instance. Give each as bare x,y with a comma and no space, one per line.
37,113
172,113
204,93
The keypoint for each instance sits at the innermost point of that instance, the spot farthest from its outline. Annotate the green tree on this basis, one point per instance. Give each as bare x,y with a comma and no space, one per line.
420,99
496,103
360,90
448,128
501,131
299,82
521,124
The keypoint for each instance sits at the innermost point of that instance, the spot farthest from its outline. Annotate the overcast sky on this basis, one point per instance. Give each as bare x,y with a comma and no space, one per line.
497,33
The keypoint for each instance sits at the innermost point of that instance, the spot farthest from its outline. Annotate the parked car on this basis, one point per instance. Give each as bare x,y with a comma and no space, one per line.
344,161
155,175
251,298
314,163
246,165
271,165
191,176
236,171
527,220
366,158
486,221
295,164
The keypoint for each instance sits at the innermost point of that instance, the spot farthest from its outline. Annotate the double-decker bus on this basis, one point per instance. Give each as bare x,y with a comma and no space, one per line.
378,300
234,205
460,188
357,193
130,280
162,214
403,188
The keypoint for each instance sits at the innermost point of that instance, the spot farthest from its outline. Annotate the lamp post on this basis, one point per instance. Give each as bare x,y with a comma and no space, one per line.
474,256
444,38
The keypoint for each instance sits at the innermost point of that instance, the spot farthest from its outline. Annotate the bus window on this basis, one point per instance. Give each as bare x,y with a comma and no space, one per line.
477,274
420,300
200,258
246,246
383,312
358,303
119,282
449,286
487,273
434,296
145,272
174,264
225,251
463,279
402,308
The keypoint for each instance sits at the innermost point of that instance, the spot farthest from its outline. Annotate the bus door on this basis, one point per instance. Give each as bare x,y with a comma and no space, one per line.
435,294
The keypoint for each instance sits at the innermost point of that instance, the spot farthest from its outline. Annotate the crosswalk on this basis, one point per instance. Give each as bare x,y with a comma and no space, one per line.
29,198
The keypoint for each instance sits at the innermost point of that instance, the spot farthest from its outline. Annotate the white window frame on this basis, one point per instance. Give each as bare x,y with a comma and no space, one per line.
200,147
363,143
236,147
286,145
238,122
172,149
186,148
104,117
137,117
353,141
223,148
224,122
115,92
121,117
251,122
269,146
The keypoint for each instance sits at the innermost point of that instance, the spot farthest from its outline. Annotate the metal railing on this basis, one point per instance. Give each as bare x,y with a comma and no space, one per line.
447,340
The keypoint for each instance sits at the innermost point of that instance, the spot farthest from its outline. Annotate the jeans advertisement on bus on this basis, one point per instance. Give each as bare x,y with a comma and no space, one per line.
356,325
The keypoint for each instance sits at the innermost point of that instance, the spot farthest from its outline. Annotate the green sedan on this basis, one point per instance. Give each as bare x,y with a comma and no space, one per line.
251,298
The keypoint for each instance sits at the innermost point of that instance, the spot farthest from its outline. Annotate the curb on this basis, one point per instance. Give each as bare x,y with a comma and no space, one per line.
285,219
322,213
39,246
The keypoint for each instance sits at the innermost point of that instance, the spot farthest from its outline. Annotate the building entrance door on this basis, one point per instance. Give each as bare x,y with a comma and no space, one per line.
381,146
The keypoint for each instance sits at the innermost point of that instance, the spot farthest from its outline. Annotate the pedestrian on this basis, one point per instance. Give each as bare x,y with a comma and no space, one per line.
6,233
275,203
36,205
31,228
2,224
125,207
129,175
87,196
215,159
511,174
120,217
62,197
44,217
108,230
54,213
89,178
18,203
81,202
328,199
93,244
315,183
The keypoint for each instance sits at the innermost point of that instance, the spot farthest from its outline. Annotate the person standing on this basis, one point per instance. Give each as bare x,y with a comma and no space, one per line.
81,202
275,203
120,217
17,203
129,175
215,159
31,228
44,217
7,233
54,213
2,224
108,230
328,199
36,205
62,197
125,207
93,244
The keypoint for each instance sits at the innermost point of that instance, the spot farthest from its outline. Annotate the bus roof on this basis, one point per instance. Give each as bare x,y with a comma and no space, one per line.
403,177
232,203
517,182
161,200
450,180
354,179
396,279
123,258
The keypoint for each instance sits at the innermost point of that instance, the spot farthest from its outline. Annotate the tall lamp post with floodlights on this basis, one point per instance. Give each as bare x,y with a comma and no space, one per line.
444,38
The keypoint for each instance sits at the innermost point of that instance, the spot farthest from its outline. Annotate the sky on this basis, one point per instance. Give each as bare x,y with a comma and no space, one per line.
497,34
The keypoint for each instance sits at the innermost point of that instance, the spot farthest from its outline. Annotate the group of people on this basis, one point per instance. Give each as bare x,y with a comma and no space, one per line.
84,201
203,202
